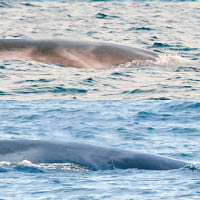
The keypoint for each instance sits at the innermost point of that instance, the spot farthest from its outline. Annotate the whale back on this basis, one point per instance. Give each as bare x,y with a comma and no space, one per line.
80,54
90,156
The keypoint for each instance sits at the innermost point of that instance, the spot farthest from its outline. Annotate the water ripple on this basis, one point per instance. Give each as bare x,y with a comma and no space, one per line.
160,29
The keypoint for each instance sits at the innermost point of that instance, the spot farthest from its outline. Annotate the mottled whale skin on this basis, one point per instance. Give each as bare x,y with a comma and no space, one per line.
79,54
84,155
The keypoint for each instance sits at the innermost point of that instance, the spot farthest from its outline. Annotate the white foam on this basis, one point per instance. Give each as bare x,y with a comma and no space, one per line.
52,166
173,60
162,60
45,166
4,163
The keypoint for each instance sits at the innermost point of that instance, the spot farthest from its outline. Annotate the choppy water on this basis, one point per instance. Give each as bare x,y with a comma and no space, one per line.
146,123
169,28
169,128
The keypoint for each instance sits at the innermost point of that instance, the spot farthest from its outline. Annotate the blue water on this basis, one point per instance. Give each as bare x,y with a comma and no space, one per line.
41,101
169,128
170,28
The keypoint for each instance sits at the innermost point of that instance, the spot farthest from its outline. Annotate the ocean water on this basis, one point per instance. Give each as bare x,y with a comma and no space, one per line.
169,128
41,101
170,28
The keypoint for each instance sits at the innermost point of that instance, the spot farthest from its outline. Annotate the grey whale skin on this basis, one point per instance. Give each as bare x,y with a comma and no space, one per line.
80,54
84,155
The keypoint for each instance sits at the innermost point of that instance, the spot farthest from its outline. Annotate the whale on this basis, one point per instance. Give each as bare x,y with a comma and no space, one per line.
85,155
78,54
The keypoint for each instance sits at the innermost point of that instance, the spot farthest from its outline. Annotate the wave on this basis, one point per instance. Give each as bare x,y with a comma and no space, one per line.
29,167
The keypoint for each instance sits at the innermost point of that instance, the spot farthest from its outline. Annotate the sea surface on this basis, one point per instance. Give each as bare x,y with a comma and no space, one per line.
41,101
168,128
170,28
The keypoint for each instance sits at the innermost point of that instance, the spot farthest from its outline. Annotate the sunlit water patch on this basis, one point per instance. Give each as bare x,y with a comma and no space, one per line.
156,26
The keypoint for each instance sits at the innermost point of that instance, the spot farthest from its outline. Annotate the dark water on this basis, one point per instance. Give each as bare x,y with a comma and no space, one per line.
167,27
169,128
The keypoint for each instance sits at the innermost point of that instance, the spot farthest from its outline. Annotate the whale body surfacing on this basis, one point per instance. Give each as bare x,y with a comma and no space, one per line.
84,155
79,54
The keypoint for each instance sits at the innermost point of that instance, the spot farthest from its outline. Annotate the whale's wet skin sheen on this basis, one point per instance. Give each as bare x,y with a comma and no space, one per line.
85,155
80,54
